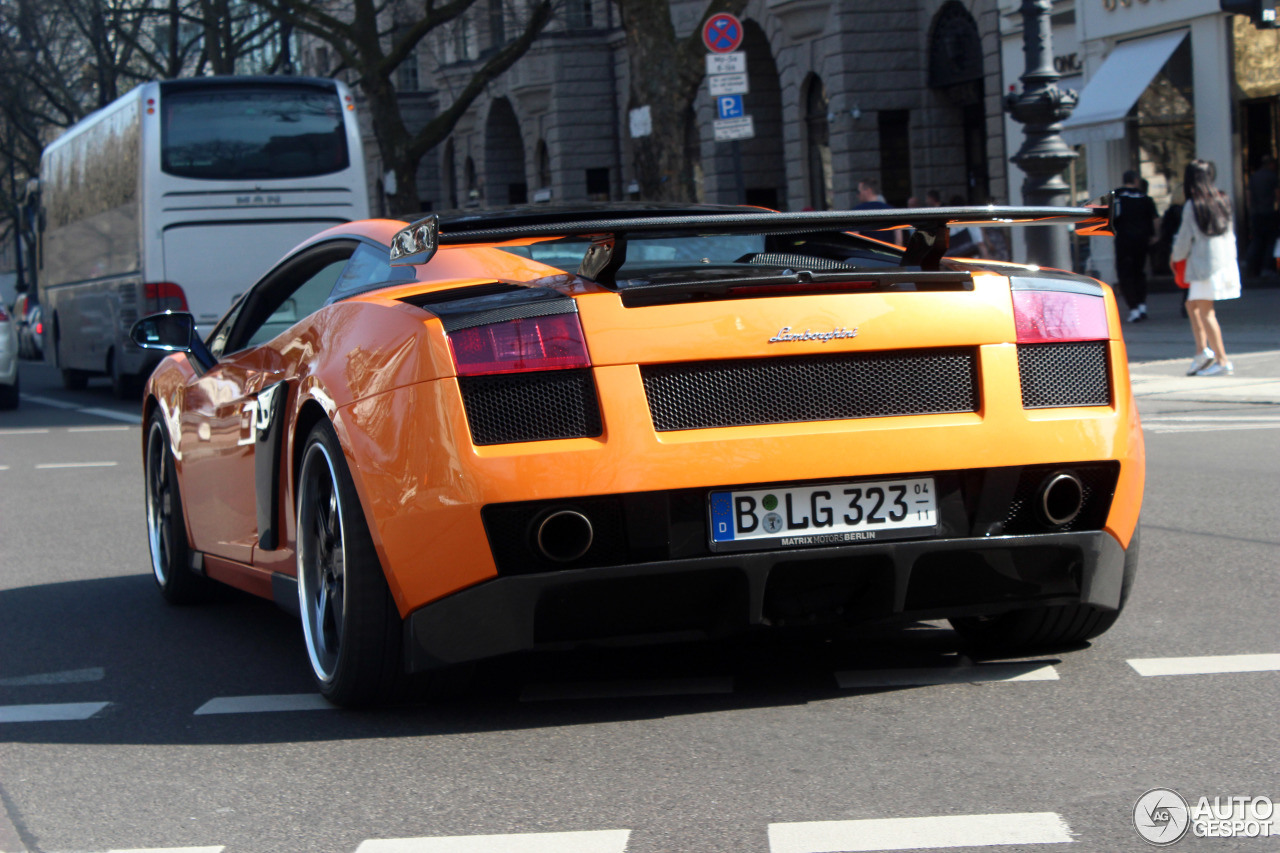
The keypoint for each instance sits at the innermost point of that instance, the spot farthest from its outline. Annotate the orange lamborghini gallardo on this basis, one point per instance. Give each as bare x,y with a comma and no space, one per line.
483,433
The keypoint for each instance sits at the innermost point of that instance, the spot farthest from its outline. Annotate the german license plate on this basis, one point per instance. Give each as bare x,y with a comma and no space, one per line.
827,514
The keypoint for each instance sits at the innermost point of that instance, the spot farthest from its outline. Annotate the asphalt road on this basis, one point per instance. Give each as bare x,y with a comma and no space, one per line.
771,744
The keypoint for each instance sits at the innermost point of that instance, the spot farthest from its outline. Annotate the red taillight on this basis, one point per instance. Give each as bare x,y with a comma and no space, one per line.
536,343
164,296
40,328
1043,316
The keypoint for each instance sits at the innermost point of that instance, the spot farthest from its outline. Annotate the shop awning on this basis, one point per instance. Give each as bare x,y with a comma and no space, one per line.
1116,87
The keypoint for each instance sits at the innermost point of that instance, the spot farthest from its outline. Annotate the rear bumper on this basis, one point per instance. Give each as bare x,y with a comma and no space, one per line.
722,594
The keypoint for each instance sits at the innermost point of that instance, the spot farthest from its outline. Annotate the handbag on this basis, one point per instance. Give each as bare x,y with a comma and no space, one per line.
1180,274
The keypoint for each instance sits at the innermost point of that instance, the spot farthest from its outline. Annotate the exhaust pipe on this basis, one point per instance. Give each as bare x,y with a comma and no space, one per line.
564,535
1061,498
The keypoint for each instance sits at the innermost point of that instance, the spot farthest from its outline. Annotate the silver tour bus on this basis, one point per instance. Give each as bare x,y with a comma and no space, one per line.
178,196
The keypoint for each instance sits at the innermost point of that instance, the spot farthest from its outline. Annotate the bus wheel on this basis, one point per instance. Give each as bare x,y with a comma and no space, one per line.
123,385
74,380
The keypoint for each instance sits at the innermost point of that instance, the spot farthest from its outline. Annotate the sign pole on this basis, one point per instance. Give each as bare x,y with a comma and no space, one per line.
727,81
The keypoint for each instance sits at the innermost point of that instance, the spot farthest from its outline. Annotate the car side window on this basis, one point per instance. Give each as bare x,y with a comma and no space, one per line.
301,302
369,267
289,294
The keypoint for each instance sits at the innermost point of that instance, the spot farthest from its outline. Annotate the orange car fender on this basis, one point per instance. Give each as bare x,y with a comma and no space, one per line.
1126,505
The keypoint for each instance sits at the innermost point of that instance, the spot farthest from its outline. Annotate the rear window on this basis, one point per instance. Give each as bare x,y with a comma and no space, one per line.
241,132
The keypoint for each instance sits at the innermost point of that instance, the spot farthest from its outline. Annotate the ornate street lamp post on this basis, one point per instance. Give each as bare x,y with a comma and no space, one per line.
1044,155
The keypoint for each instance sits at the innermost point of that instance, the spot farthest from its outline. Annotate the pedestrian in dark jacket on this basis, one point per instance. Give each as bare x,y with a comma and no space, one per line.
1136,224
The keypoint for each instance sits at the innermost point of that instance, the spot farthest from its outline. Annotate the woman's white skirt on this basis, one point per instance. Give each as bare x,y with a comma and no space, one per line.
1223,284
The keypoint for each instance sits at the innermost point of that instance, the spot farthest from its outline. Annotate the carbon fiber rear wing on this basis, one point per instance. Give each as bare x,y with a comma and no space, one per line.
608,231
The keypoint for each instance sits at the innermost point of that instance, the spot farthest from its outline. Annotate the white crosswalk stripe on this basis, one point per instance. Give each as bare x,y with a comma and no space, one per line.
265,704
47,713
919,833
598,841
1205,665
963,674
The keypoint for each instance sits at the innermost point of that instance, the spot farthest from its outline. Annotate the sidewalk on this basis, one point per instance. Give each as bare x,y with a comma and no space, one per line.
1160,350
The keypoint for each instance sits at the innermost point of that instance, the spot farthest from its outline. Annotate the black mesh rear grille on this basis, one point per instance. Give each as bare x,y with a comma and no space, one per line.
516,407
1071,374
790,389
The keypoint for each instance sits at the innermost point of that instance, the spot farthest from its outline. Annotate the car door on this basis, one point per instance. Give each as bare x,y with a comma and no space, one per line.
223,404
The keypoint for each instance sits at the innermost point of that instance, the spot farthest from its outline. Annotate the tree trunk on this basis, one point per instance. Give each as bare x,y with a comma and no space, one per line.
666,73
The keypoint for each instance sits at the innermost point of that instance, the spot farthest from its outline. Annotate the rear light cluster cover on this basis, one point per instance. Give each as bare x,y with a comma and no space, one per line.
1049,316
164,296
554,342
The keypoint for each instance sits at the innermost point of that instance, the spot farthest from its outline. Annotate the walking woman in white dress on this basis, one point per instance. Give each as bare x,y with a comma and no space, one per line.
1207,242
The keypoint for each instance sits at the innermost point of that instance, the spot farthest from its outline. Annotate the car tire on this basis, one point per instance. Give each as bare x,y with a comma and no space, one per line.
166,527
1061,625
350,624
9,394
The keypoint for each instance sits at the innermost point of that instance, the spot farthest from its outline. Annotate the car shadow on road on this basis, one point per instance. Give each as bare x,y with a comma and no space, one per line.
114,640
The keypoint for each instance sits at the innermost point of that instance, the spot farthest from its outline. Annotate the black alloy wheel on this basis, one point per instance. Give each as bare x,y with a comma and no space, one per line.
350,623
166,527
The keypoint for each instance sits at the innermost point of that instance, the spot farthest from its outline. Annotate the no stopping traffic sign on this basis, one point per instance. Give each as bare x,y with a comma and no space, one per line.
722,33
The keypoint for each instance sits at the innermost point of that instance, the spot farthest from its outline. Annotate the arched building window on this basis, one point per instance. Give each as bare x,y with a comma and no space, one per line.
450,176
693,156
818,132
473,191
542,157
956,73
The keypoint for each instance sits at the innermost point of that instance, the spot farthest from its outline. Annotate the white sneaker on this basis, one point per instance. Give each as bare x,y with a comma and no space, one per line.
1218,368
1135,315
1200,362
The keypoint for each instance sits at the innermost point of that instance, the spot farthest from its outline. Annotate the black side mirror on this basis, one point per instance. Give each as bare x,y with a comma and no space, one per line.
172,331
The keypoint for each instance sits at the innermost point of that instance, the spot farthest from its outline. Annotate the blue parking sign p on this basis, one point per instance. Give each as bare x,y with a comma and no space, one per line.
729,106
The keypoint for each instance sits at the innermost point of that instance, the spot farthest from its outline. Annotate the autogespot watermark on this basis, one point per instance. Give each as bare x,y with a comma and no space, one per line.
1163,817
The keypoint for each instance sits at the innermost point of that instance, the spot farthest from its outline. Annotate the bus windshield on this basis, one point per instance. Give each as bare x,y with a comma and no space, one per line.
242,132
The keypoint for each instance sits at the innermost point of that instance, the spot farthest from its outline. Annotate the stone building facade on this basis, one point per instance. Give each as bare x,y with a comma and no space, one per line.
908,93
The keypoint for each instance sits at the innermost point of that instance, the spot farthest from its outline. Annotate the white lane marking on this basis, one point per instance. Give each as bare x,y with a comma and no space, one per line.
33,431
265,704
50,713
919,833
973,674
54,465
49,401
99,429
1205,665
168,850
110,414
70,676
598,841
4,467
627,689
